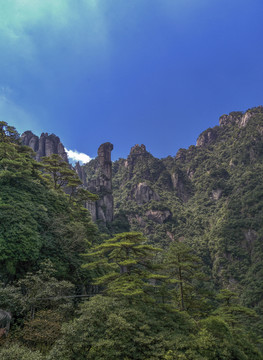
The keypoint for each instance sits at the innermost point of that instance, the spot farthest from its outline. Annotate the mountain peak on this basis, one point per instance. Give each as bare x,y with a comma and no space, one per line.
138,149
46,145
239,117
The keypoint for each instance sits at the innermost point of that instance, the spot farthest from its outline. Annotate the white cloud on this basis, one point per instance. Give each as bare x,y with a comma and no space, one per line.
77,156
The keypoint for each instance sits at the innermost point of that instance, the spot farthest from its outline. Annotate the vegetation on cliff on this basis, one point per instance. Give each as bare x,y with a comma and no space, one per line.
189,288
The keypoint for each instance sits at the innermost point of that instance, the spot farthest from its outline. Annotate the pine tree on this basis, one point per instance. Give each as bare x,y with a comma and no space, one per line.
182,267
126,261
59,172
8,134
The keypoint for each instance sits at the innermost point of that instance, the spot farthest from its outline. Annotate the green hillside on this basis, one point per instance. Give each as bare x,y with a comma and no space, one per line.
210,195
176,275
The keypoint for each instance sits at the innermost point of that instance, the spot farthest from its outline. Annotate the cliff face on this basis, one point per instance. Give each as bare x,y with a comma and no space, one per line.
46,145
98,180
239,118
211,194
206,138
81,173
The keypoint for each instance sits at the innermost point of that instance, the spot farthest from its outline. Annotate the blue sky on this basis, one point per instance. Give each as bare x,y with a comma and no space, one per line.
156,72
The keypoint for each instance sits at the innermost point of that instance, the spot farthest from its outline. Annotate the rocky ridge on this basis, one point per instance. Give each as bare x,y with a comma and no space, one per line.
147,176
209,195
45,145
101,181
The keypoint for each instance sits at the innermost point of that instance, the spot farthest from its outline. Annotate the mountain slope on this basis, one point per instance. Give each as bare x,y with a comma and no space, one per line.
210,195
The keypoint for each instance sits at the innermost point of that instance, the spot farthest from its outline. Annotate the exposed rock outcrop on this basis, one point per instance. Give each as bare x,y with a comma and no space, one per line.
100,183
30,139
190,173
206,138
142,165
232,118
158,215
81,173
181,185
250,237
137,152
104,154
239,118
245,118
46,145
142,193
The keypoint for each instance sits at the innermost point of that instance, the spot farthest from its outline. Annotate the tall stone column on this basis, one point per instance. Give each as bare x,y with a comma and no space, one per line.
101,184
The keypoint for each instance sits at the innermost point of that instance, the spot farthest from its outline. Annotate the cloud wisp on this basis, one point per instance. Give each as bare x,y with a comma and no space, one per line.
75,156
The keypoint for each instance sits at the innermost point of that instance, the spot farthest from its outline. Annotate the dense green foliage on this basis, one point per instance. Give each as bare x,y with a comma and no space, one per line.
127,262
188,288
37,220
214,193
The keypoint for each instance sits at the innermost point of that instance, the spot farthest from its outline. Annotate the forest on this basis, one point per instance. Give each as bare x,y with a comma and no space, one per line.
186,287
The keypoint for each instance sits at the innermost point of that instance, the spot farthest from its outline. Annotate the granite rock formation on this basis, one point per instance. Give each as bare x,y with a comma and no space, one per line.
158,216
142,193
239,118
181,185
81,173
46,145
137,152
206,138
232,118
99,181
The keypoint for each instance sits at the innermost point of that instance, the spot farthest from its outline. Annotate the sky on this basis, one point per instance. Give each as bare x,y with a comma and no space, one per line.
153,72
